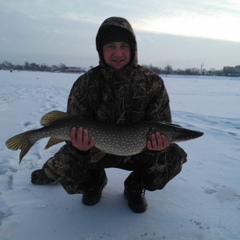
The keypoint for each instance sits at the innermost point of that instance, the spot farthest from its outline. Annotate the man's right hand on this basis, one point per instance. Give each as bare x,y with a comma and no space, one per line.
80,139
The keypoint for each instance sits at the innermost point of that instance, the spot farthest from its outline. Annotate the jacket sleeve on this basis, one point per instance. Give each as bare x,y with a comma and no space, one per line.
158,107
77,100
78,105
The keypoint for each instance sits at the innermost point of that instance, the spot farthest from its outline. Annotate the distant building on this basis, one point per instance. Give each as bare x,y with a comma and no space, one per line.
231,71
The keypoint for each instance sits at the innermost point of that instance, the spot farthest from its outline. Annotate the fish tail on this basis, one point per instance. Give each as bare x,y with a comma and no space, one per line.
20,141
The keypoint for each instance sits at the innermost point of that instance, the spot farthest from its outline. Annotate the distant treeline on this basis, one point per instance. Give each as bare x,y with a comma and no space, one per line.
5,65
40,67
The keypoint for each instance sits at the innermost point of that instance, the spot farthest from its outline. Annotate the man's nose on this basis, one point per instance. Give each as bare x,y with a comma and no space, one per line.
118,52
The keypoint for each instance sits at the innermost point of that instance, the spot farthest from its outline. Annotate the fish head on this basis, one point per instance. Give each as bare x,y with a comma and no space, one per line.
183,134
174,133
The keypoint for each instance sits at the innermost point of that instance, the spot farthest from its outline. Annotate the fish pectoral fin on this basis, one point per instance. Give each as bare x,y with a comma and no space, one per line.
97,155
94,150
144,149
53,141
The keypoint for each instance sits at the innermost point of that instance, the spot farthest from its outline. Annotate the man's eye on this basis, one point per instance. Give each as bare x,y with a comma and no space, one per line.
110,46
125,46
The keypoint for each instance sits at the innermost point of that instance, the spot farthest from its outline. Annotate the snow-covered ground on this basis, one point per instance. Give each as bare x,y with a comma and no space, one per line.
202,202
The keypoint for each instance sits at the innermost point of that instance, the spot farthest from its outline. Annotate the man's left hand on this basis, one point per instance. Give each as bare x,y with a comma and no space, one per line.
158,142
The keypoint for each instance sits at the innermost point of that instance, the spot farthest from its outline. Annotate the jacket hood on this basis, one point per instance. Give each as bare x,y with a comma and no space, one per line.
117,22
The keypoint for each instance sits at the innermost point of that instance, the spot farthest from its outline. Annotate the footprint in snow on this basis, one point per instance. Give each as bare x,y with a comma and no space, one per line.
209,190
5,211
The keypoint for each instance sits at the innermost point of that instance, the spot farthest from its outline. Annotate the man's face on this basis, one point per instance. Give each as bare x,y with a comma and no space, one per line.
117,54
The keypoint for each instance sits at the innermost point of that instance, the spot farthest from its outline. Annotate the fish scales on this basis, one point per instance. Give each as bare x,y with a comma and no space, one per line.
120,141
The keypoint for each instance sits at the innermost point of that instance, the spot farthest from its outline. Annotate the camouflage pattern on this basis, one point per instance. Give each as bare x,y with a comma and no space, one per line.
131,94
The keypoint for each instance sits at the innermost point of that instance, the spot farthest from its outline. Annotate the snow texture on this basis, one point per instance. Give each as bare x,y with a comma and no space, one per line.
202,202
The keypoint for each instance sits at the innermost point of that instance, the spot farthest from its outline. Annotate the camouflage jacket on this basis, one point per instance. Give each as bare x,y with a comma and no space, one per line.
121,97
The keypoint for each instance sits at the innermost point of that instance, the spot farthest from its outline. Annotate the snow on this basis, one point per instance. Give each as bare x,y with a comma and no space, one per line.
202,202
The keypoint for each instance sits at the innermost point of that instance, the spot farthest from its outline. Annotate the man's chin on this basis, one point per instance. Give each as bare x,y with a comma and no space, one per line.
118,65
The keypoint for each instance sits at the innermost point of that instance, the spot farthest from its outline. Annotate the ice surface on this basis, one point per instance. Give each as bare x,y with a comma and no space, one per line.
202,202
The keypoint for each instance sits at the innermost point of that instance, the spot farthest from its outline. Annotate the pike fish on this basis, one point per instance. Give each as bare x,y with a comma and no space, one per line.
112,139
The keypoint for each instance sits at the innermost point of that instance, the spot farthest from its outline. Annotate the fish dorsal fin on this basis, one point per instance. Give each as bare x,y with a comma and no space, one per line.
53,116
53,141
97,155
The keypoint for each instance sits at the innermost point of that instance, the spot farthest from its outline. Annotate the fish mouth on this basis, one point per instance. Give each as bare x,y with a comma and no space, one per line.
187,135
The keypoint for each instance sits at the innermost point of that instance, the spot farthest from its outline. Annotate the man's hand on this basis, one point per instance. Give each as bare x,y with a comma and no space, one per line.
80,139
158,142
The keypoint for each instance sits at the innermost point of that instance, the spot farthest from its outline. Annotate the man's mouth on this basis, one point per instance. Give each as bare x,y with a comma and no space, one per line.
117,61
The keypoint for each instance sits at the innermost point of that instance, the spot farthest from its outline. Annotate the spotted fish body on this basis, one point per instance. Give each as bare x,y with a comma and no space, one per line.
112,139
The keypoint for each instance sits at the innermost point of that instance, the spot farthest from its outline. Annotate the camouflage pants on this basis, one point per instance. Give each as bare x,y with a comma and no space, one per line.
150,171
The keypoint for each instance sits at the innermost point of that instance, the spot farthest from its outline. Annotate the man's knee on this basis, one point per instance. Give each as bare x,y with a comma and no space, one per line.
174,153
168,165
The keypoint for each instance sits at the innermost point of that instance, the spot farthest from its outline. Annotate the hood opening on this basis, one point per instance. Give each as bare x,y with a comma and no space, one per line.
119,27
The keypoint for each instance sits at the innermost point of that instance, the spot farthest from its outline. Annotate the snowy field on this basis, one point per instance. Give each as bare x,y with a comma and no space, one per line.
202,202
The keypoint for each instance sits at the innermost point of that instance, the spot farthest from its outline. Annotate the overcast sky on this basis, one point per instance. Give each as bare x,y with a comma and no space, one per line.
182,33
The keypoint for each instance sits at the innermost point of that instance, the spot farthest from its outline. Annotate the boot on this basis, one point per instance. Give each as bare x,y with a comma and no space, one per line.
93,192
135,193
137,201
93,196
39,177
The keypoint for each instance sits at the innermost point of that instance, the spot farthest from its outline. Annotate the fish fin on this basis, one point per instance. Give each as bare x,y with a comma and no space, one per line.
20,141
53,116
97,156
94,150
53,141
144,149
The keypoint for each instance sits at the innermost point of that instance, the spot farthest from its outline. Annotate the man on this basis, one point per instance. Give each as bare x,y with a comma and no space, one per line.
117,91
